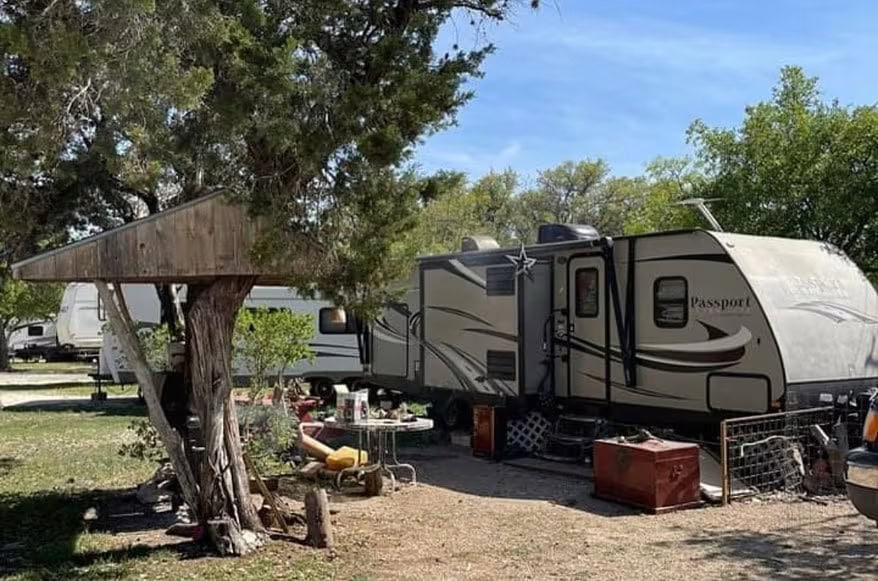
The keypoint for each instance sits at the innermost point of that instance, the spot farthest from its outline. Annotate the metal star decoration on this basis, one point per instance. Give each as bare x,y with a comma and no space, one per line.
523,263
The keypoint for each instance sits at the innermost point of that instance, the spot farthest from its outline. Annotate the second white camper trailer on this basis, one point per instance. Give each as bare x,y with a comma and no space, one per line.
35,340
678,326
335,346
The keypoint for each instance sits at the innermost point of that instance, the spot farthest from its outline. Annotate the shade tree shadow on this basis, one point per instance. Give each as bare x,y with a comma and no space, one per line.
120,406
40,533
832,548
447,468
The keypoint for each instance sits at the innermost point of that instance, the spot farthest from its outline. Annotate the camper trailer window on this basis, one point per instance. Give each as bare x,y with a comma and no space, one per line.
671,302
329,327
587,292
500,280
35,331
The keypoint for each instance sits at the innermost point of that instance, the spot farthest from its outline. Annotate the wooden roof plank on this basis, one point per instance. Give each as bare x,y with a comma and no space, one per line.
193,242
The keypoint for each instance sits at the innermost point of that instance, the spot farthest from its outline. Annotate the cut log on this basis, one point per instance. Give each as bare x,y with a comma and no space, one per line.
374,481
314,447
317,519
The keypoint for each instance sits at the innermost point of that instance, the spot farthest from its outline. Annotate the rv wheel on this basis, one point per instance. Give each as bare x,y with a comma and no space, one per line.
457,415
323,388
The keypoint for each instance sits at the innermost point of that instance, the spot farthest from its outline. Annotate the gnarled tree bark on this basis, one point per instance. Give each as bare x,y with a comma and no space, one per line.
124,329
219,495
4,348
224,496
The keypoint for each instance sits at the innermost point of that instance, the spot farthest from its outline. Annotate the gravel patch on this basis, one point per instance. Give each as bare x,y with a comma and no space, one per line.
474,519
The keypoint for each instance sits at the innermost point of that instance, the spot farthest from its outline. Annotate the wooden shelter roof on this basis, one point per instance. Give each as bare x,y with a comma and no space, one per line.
193,242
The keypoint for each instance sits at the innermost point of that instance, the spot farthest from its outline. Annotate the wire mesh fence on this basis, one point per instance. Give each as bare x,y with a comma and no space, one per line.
795,451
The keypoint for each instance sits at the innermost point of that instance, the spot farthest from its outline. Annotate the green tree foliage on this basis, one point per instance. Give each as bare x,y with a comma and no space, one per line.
566,193
21,302
456,209
574,193
495,205
304,110
269,342
154,341
665,183
798,166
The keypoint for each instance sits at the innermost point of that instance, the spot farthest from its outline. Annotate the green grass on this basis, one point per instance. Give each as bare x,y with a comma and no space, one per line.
56,464
53,367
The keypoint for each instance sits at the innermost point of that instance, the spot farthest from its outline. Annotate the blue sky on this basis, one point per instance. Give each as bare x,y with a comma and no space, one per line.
623,79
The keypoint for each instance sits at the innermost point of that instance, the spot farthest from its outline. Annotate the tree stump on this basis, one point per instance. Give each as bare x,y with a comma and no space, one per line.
374,481
317,518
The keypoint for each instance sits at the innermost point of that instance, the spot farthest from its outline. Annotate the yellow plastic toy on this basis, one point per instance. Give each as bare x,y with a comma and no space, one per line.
346,457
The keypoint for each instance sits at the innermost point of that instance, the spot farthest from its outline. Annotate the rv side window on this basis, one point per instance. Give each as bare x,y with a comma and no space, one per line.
671,302
500,280
329,327
35,331
587,292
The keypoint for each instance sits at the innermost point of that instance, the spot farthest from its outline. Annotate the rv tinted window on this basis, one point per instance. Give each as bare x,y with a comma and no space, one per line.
671,302
500,280
587,292
35,331
330,327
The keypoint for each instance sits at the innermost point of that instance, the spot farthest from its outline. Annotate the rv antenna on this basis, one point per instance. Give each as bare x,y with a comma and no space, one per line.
700,204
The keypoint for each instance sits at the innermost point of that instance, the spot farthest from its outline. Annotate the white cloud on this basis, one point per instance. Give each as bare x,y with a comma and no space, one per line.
470,159
678,47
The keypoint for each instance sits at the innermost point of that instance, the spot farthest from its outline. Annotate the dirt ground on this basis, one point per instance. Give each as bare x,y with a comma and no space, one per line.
474,519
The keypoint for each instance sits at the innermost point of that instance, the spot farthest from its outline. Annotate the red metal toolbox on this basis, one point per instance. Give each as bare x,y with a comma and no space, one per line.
655,475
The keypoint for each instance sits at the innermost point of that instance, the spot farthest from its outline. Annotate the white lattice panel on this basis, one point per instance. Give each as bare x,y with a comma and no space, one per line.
528,433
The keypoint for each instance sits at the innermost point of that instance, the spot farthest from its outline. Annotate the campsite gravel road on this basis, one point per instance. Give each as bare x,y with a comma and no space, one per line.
473,519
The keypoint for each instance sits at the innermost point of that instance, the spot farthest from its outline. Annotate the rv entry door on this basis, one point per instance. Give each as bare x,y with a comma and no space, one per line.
586,327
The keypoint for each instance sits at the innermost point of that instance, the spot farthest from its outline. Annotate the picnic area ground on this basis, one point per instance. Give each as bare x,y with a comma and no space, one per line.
467,519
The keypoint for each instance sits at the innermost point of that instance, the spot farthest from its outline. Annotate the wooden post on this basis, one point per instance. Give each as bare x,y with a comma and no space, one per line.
317,518
724,460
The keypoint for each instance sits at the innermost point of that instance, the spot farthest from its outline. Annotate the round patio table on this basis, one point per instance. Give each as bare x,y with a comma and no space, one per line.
380,436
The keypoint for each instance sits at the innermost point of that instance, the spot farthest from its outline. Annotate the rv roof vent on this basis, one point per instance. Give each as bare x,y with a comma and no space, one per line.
562,232
478,242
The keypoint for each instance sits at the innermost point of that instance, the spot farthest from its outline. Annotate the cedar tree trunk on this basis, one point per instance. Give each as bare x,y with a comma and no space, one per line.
4,348
124,329
224,492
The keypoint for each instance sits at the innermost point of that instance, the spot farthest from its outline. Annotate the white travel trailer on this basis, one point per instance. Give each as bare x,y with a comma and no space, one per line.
335,345
81,317
678,326
35,340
